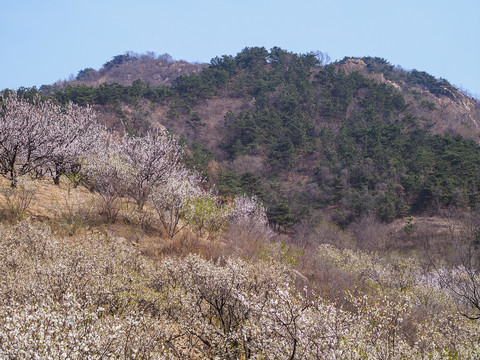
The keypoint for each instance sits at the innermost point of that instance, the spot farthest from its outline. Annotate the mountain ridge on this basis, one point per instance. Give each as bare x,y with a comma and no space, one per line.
163,70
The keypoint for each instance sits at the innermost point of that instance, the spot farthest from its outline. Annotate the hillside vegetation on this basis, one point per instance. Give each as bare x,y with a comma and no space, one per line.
93,296
124,69
342,140
270,206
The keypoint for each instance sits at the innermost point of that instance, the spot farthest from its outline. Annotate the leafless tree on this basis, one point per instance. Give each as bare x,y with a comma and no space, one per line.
322,57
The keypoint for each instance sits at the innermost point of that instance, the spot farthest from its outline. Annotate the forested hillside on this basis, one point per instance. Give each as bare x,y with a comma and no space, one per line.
350,138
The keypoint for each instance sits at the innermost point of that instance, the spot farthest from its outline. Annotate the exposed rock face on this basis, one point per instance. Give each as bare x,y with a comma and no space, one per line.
457,114
352,65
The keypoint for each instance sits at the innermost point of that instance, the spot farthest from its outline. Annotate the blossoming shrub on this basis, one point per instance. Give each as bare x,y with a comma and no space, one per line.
73,299
93,296
238,309
250,216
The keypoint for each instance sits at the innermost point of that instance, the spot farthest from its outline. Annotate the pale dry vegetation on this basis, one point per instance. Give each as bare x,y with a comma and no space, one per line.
94,296
124,69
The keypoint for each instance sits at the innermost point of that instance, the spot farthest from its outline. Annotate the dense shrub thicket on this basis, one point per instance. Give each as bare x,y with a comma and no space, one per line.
93,296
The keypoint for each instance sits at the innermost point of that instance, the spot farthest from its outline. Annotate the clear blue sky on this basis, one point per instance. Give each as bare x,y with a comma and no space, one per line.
44,41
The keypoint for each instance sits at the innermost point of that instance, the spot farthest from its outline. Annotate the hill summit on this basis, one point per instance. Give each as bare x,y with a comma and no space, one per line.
309,137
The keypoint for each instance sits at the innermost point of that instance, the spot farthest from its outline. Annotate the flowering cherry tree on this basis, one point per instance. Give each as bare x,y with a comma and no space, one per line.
28,135
170,200
151,160
41,137
78,131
